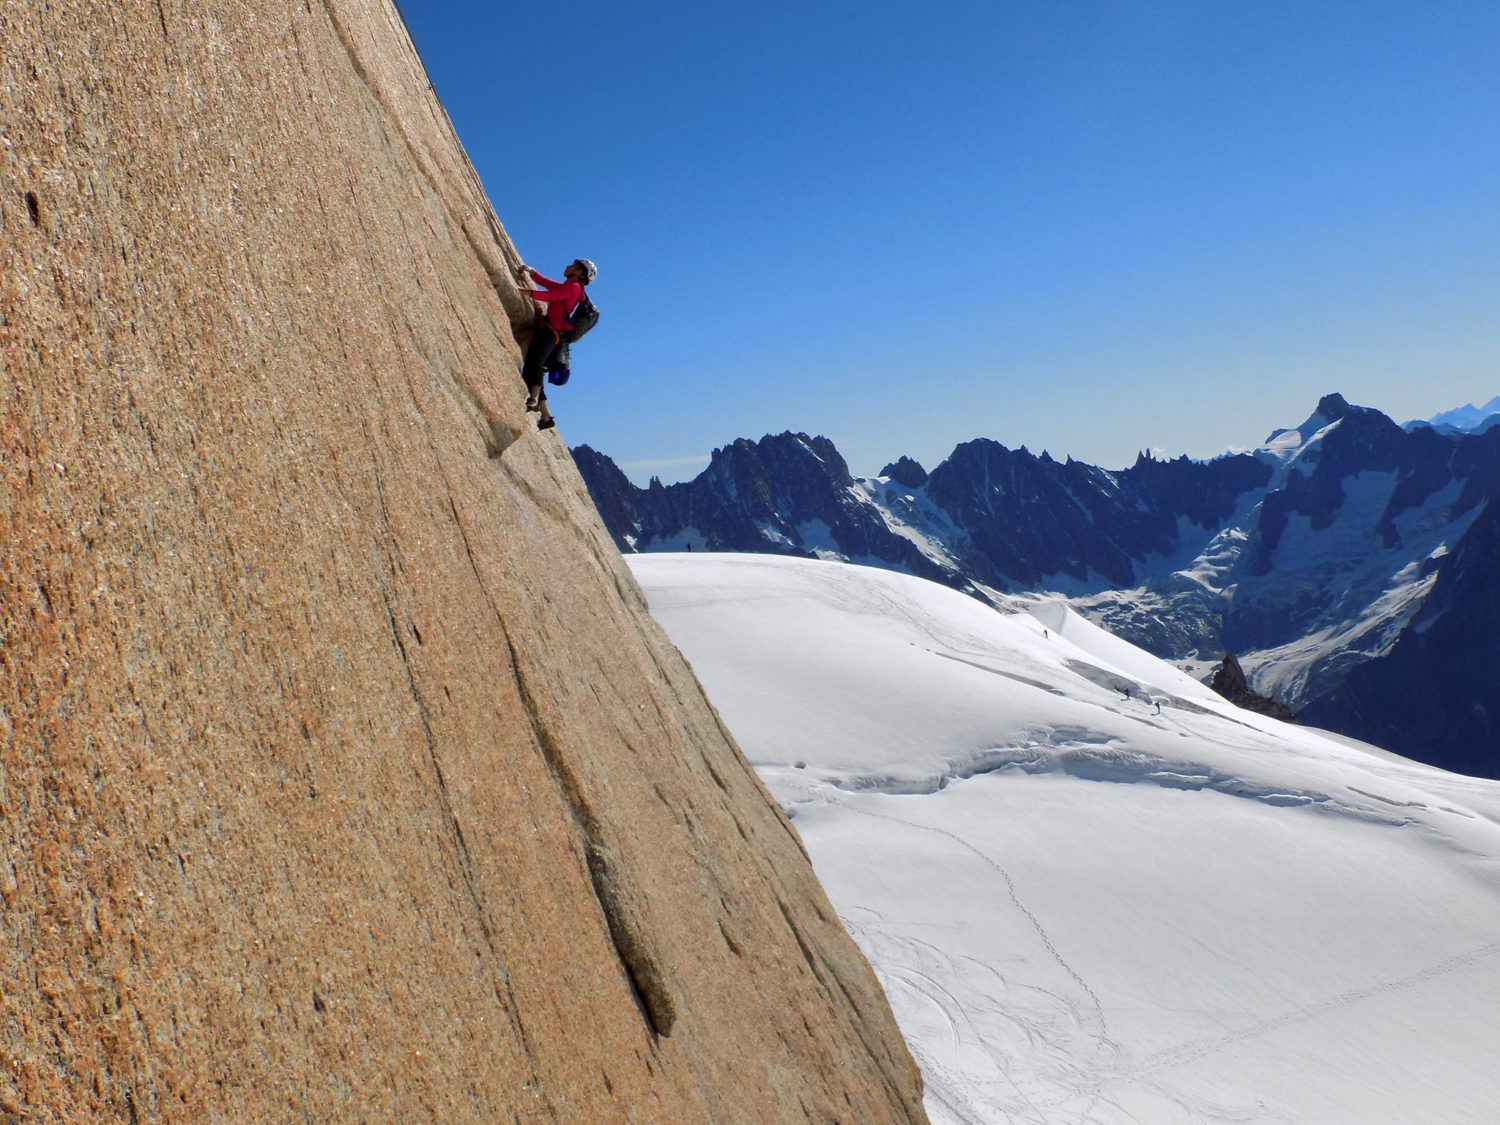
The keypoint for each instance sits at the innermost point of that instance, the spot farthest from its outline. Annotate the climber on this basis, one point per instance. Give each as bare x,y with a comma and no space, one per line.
553,330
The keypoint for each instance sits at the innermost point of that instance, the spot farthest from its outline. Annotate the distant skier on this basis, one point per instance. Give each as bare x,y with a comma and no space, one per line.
553,329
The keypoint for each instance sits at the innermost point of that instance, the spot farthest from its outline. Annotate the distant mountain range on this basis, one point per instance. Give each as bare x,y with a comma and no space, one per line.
1470,418
1352,564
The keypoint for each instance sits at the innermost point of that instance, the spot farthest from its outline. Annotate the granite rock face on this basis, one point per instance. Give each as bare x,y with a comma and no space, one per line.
345,776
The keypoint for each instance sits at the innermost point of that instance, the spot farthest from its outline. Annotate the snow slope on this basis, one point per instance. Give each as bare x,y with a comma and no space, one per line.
1094,891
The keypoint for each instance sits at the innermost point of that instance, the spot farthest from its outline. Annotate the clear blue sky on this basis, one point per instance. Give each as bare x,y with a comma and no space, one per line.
1087,227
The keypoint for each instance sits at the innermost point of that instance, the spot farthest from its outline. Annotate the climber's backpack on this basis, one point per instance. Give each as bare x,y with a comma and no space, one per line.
584,317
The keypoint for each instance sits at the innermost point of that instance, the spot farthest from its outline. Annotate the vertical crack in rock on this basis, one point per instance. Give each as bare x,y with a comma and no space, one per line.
642,971
166,36
445,802
647,981
470,877
472,885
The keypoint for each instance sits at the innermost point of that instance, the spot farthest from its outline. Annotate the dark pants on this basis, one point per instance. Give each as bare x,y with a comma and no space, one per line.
544,343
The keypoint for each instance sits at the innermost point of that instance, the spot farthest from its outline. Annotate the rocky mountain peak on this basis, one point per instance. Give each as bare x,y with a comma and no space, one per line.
1229,681
1333,407
906,471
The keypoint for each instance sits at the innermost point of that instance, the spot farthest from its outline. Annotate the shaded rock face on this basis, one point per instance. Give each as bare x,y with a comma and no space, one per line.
1229,681
1005,518
345,776
1433,696
1032,517
1366,491
907,472
1365,441
786,494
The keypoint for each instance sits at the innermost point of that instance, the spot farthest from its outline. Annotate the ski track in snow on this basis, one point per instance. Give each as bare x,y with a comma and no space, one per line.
1109,1065
953,1011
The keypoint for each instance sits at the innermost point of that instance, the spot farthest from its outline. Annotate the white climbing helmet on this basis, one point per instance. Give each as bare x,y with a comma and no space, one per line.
590,271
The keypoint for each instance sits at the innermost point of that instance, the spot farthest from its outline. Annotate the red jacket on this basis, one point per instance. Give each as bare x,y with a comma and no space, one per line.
562,298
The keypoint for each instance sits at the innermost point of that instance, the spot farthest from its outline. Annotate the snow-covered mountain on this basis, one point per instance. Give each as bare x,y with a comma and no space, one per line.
1094,891
1470,418
1320,553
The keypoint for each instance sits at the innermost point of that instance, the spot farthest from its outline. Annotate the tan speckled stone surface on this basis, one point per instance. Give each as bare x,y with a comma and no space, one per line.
343,774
